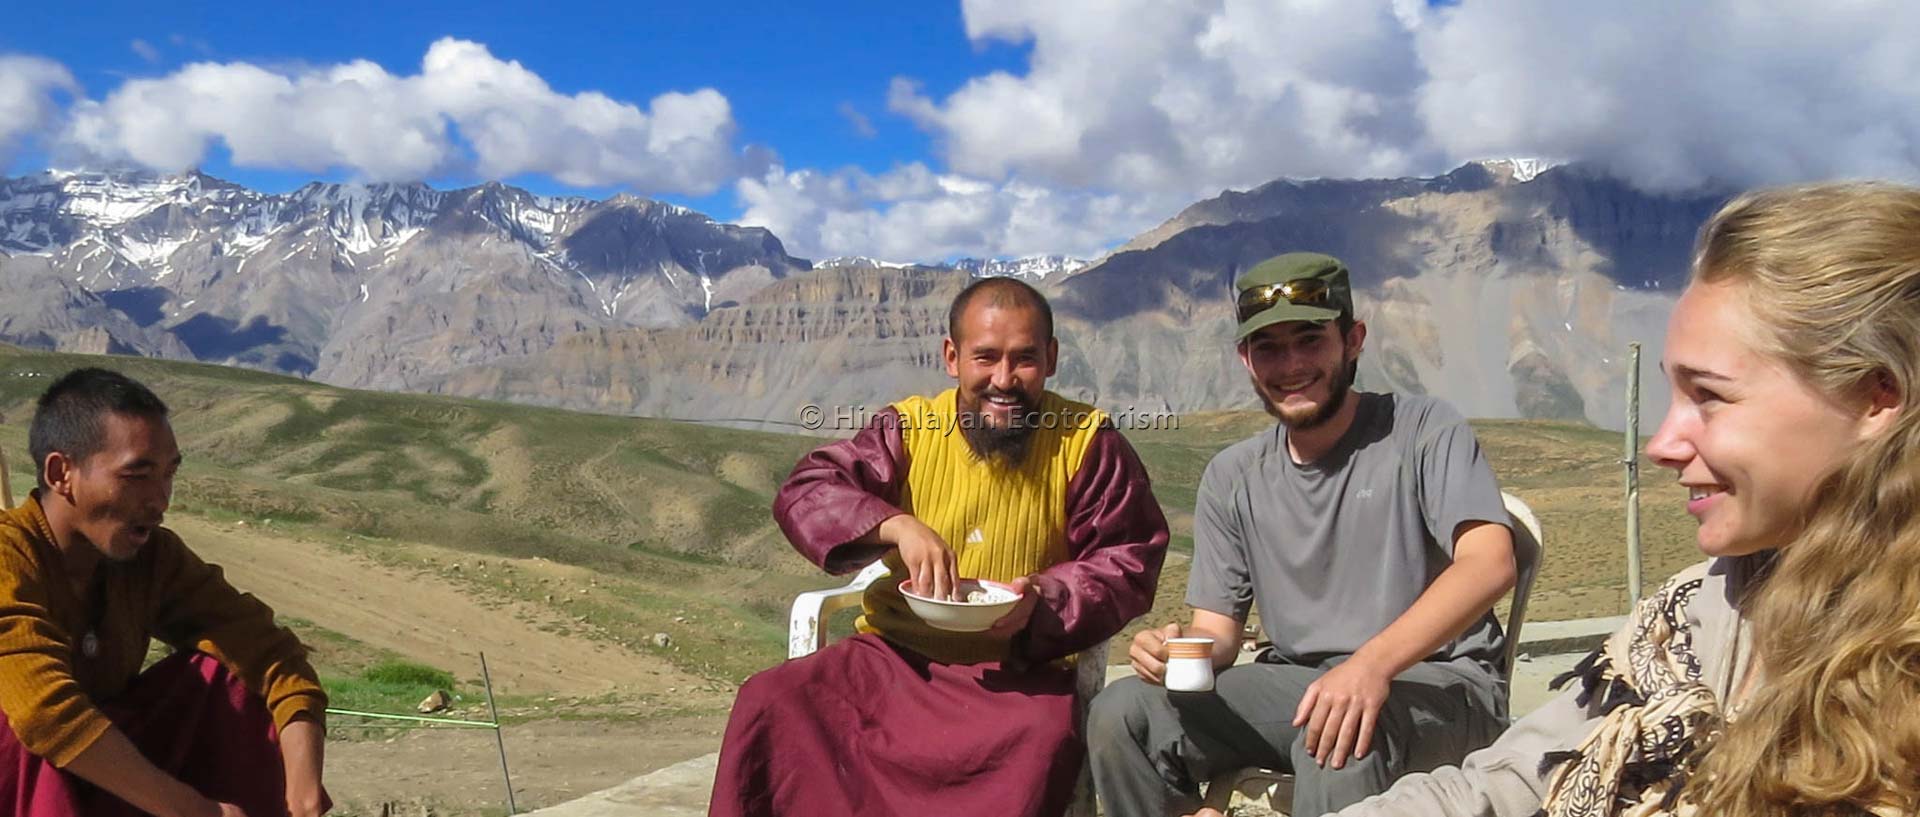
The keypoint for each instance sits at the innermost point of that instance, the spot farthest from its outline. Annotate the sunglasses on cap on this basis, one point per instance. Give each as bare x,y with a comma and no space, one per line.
1300,291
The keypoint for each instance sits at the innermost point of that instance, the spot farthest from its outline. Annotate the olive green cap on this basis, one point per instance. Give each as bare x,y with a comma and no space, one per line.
1293,266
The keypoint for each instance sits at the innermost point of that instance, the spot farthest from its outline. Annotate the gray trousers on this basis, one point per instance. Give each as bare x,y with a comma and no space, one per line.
1150,749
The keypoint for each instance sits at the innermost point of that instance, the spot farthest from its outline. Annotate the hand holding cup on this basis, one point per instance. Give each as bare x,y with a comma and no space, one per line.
1189,664
1148,654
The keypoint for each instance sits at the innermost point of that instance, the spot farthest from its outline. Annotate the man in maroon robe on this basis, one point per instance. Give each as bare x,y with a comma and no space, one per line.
902,718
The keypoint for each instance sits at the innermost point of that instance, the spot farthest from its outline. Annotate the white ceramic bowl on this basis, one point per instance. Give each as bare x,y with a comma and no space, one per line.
963,616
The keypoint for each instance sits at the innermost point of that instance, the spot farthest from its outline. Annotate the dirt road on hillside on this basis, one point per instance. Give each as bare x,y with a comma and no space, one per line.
422,616
426,618
553,761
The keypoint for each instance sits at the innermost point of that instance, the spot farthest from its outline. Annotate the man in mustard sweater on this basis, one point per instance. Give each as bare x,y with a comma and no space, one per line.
231,723
995,479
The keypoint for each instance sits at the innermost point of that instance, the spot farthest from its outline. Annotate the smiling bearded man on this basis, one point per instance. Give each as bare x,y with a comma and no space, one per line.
1370,531
231,722
1036,491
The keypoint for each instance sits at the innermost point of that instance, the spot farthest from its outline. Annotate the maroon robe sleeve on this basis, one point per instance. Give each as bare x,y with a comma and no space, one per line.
841,491
1117,538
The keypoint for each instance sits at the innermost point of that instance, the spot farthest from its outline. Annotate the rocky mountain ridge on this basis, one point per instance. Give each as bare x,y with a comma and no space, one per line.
1509,288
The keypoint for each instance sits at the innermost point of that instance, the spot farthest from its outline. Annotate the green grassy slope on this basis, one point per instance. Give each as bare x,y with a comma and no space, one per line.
674,515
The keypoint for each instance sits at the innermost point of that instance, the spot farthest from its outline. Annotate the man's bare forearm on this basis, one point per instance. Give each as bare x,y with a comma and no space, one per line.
113,763
1223,629
303,753
885,533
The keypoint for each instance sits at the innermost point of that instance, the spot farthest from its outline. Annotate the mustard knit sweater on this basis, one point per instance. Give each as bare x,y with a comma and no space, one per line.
48,688
1002,522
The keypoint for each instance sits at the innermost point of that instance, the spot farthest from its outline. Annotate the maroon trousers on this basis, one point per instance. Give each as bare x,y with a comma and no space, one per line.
191,718
864,728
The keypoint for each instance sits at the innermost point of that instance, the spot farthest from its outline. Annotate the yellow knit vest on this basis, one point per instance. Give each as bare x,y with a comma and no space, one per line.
1001,522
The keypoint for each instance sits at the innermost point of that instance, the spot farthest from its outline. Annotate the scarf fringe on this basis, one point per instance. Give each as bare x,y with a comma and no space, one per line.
1645,687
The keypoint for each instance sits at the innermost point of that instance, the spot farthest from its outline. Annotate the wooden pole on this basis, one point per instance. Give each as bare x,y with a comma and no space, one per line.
1632,462
6,486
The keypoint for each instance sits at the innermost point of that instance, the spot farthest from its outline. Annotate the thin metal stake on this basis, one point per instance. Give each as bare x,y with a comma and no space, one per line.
485,677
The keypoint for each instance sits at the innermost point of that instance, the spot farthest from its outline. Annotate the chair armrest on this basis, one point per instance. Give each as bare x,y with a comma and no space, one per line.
806,632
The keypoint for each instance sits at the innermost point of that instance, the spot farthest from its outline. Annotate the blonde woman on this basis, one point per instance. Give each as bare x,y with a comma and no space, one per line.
1782,676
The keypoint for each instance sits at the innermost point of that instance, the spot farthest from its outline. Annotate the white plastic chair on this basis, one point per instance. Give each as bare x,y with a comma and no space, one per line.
807,633
1528,548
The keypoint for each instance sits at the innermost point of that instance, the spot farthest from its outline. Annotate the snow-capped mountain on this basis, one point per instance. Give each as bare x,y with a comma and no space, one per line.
369,284
1518,170
1503,295
1507,299
1033,267
850,261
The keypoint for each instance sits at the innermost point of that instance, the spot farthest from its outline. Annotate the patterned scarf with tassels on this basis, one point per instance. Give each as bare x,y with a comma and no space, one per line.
1647,680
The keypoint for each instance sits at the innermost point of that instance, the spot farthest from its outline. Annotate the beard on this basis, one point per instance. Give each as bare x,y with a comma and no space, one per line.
1006,444
1308,418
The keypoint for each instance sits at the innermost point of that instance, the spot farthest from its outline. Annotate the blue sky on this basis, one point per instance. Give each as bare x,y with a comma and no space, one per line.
791,72
929,130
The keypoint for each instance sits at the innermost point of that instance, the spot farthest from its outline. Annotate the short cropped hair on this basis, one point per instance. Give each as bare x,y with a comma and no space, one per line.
1004,293
71,416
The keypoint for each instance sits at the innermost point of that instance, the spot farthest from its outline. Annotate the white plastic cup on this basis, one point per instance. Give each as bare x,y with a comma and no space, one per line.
1190,664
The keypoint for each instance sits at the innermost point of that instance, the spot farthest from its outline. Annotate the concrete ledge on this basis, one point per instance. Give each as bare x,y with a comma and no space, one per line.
680,790
1582,635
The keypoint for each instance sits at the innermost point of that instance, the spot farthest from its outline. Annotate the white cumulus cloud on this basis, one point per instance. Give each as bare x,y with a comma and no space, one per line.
1672,95
1129,109
1196,95
466,110
915,214
1124,112
28,86
1183,96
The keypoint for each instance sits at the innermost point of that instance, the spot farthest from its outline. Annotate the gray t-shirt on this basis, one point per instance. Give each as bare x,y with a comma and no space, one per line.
1334,551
